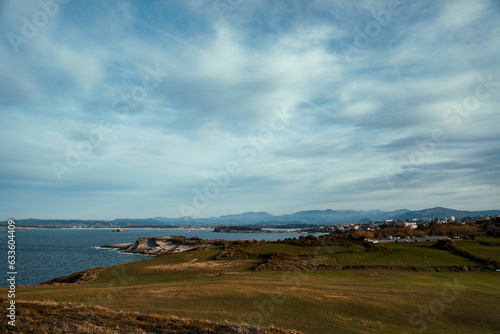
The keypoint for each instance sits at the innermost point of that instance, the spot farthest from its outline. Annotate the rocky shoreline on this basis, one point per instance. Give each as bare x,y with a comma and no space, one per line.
155,246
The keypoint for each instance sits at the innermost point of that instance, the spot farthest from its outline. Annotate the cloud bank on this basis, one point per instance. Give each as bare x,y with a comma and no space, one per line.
132,109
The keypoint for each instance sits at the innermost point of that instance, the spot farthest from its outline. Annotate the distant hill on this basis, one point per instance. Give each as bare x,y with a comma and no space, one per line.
253,215
302,217
440,212
150,222
250,217
338,216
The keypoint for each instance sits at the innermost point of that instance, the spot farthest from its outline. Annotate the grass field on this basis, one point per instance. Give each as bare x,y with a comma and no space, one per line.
399,254
48,317
189,285
480,249
405,254
294,249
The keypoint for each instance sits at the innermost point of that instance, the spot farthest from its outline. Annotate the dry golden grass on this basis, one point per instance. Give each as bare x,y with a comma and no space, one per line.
195,285
53,317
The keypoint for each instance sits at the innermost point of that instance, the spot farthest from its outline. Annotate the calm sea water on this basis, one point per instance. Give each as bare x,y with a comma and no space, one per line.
45,254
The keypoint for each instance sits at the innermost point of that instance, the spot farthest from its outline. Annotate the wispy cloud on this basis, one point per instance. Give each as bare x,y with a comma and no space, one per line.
355,120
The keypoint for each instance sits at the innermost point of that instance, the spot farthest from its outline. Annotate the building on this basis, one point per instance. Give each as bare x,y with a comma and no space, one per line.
410,224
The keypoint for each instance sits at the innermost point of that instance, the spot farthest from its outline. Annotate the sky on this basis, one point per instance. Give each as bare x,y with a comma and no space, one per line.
203,108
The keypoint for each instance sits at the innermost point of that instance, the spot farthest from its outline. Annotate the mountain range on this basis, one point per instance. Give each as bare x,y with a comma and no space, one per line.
340,216
302,217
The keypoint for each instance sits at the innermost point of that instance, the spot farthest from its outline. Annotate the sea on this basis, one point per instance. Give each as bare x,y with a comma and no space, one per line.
44,254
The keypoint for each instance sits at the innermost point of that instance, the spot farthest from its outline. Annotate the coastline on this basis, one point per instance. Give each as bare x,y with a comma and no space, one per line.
142,246
71,259
104,228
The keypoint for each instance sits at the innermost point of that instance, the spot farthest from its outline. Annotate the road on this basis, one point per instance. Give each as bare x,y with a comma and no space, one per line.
382,241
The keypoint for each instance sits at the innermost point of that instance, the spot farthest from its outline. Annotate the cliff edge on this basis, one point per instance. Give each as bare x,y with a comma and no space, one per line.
156,246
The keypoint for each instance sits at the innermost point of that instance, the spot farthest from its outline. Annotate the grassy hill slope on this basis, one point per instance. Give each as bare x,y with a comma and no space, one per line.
198,285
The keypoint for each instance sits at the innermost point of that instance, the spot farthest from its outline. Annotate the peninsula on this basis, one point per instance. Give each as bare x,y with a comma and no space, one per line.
157,246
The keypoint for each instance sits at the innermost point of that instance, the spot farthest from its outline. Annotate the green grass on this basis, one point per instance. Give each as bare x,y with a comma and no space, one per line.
352,301
490,239
401,254
344,301
295,249
475,247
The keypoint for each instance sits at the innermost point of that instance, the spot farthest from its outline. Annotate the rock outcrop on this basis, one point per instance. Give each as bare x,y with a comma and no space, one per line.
155,246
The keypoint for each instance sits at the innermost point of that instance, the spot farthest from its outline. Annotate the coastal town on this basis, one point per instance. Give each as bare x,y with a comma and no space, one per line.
268,227
411,224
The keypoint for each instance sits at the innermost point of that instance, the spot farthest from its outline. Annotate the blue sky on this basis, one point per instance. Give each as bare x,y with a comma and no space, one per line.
205,108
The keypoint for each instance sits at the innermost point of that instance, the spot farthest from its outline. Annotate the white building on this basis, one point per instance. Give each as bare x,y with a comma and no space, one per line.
410,224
